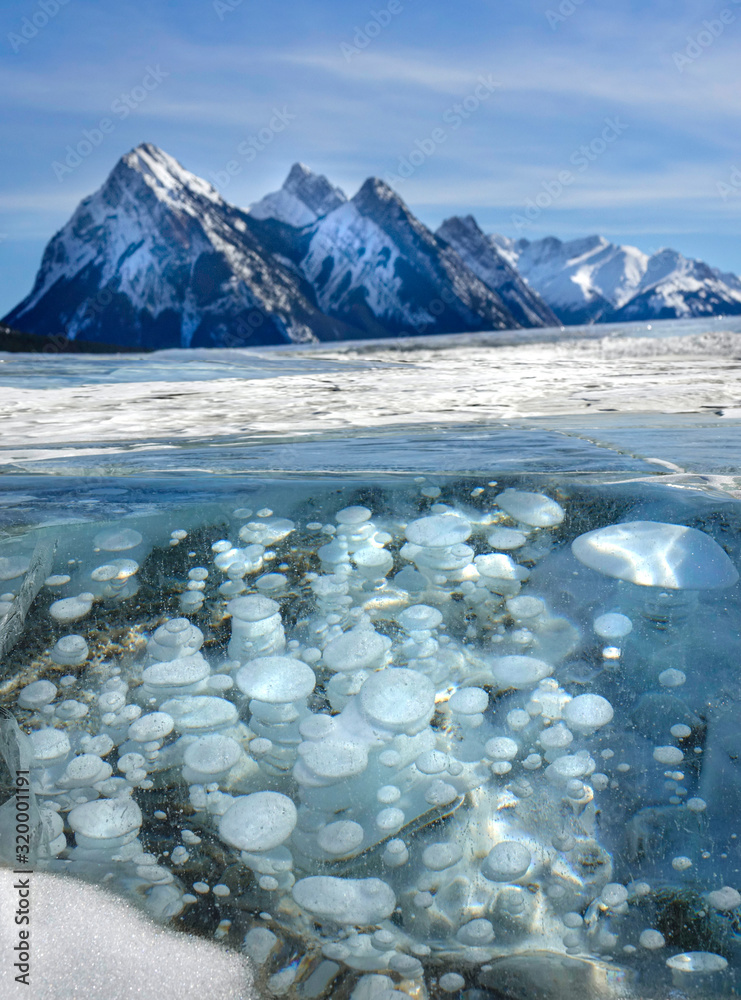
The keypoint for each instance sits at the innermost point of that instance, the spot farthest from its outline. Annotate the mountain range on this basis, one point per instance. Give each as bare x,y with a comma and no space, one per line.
157,258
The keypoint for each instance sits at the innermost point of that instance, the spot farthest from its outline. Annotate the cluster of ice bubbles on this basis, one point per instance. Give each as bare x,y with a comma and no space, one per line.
406,770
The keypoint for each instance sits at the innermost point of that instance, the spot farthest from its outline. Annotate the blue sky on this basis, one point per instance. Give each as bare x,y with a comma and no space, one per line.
199,78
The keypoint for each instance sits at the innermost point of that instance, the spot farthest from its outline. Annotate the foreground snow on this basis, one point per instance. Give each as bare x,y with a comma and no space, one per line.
89,944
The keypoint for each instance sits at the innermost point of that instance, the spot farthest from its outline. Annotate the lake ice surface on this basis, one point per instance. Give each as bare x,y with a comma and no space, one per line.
618,428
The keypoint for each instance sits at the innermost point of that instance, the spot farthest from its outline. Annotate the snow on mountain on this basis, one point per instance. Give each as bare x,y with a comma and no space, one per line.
489,264
157,258
375,265
592,280
677,286
304,198
580,280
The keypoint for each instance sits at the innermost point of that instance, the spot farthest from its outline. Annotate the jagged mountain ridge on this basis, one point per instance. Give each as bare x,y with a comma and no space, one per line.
492,267
591,280
157,258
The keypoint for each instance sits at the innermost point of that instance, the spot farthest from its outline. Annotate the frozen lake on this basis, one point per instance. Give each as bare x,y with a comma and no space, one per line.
410,668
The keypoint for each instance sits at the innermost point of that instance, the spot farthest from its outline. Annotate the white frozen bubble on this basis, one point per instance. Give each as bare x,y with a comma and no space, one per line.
175,639
432,762
117,539
506,861
106,819
390,820
681,863
419,618
450,982
438,857
397,700
614,894
519,671
37,694
501,748
258,822
83,771
654,554
469,701
196,714
253,608
476,933
388,794
518,719
613,626
668,755
441,793
588,712
534,509
258,943
268,531
117,569
333,761
556,737
358,649
568,767
71,710
271,583
353,516
680,731
341,839
496,566
506,539
49,745
651,939
70,651
154,726
701,962
438,531
57,580
11,567
212,754
276,680
672,678
725,899
180,673
69,609
524,608
347,901
373,563
130,762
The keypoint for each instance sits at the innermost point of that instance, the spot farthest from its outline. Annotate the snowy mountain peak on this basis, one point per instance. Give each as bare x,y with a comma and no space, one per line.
492,267
157,258
304,198
163,174
375,194
592,280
